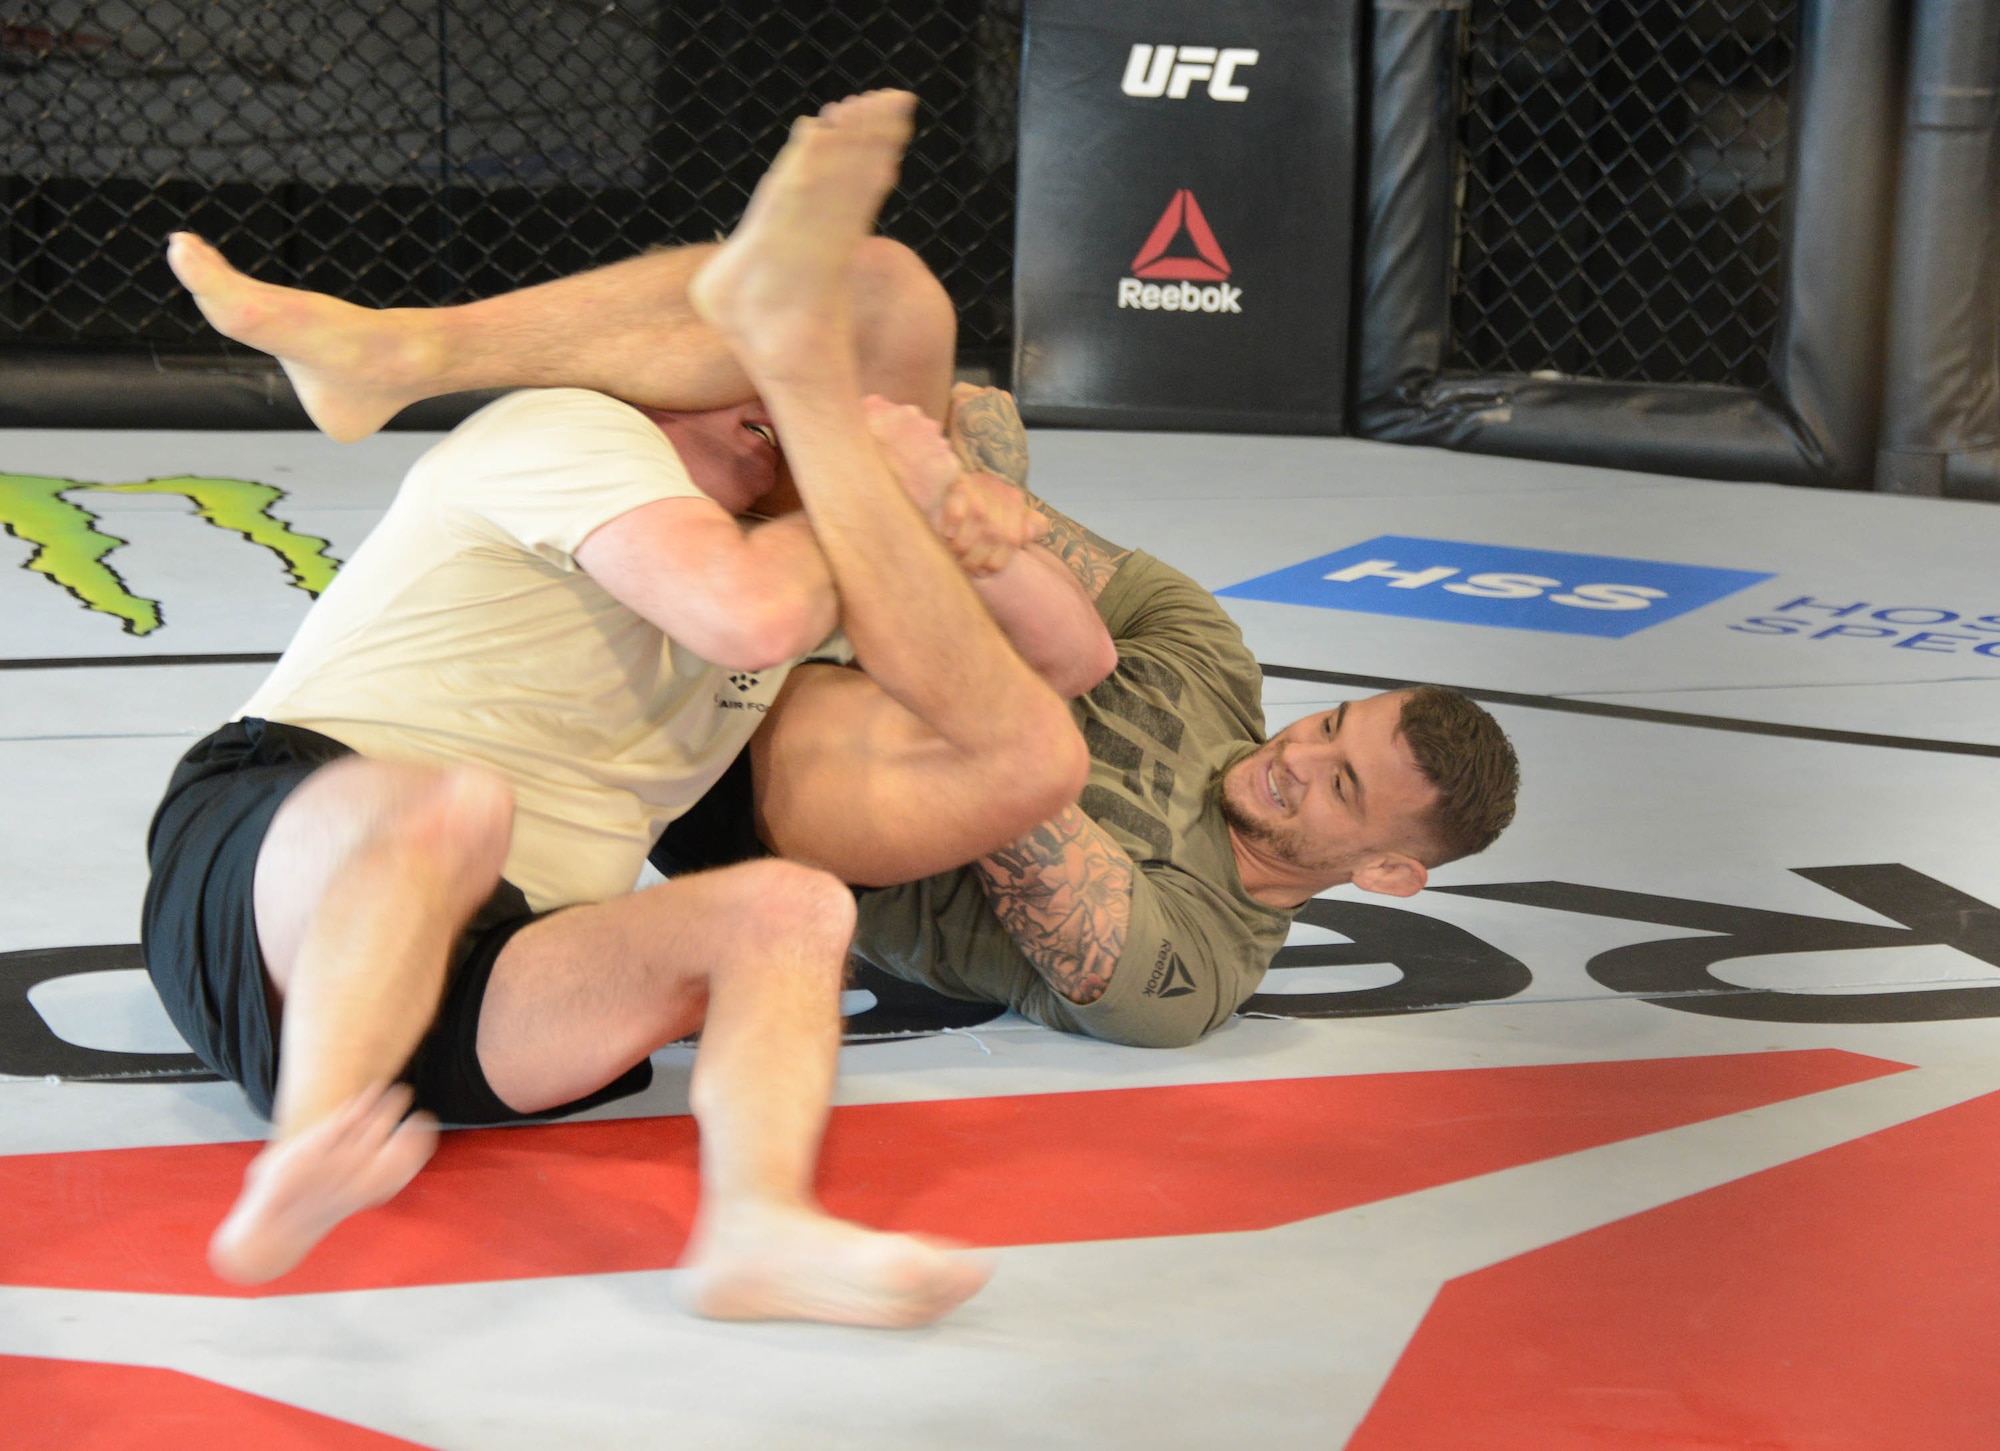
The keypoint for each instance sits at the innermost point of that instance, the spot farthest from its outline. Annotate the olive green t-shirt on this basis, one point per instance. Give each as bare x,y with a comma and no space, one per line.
1185,704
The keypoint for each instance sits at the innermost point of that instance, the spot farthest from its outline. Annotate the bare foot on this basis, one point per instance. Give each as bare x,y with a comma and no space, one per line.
299,1188
354,367
773,286
796,1264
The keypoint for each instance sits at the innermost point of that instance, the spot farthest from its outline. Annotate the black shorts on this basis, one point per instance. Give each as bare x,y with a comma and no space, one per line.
719,830
199,930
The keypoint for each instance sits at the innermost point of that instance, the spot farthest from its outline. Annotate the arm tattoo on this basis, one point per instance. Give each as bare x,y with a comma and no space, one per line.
1091,559
1065,891
987,430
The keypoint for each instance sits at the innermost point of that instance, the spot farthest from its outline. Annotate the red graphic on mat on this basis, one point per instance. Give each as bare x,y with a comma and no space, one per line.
74,1405
1841,1302
1183,213
1050,1168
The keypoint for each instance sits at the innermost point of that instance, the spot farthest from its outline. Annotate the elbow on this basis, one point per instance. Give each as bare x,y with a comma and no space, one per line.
767,634
1088,669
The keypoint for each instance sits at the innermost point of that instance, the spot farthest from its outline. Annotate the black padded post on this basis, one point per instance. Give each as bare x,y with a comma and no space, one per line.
1941,413
1185,220
1815,422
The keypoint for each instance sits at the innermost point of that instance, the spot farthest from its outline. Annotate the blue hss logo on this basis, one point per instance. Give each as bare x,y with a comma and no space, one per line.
1487,584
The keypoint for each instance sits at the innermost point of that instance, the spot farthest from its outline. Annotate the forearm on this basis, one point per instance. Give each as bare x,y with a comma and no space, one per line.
1091,559
1041,607
744,599
1064,892
786,572
987,433
913,619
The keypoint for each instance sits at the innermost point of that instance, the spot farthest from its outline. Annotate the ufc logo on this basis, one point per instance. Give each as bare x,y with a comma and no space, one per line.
1165,70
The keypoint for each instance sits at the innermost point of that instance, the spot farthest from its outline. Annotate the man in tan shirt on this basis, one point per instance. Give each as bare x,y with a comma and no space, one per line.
528,667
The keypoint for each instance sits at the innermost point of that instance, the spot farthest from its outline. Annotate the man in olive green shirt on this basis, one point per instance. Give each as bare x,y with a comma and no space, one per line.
1173,937
1149,910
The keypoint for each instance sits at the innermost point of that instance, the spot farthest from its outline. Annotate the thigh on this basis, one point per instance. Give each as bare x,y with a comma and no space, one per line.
332,814
198,923
445,1072
850,780
578,997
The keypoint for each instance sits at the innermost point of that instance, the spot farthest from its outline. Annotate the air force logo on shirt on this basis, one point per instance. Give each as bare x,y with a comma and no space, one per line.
745,690
1488,584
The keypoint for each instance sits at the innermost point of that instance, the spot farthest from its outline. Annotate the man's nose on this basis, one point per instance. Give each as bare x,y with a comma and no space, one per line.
1309,759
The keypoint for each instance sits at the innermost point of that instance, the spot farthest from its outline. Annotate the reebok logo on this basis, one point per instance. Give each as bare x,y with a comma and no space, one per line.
1170,977
1153,266
1166,70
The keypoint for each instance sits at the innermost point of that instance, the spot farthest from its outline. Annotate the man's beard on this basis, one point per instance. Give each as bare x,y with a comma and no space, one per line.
1285,840
1270,835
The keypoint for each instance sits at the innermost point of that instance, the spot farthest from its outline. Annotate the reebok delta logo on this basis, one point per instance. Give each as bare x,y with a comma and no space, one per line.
1487,584
1165,70
1170,978
1179,272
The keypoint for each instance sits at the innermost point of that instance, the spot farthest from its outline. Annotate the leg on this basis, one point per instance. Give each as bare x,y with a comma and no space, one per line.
753,955
626,330
956,743
365,876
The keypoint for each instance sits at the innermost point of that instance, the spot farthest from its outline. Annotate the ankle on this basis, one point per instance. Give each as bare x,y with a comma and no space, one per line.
416,348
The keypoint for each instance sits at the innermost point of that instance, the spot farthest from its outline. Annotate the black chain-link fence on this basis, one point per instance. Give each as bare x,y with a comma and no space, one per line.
412,152
1623,169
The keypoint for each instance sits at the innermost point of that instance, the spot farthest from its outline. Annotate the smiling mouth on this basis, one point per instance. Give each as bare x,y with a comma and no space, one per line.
763,431
1271,784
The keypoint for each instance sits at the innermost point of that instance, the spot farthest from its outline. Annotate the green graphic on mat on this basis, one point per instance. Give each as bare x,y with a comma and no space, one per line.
70,547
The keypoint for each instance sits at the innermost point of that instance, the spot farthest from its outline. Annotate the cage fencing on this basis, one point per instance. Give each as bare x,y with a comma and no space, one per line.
405,153
1624,169
1643,234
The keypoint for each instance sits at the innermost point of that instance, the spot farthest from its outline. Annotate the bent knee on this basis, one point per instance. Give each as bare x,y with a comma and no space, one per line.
453,825
473,803
884,268
1045,772
801,902
909,327
463,826
457,819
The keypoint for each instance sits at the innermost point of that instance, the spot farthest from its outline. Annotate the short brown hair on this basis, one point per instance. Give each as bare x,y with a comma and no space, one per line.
1463,752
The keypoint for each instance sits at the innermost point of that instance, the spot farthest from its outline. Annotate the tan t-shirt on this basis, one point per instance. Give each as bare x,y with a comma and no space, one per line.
463,631
1185,704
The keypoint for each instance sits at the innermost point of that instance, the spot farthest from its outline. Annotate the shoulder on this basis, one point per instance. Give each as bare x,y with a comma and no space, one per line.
533,408
1171,632
555,430
547,466
1149,596
1189,961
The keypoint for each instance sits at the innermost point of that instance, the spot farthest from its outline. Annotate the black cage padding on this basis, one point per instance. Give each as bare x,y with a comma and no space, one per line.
422,152
1941,410
1791,397
1183,260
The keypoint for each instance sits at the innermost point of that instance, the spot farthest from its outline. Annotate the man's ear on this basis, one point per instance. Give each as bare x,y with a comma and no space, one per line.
1391,874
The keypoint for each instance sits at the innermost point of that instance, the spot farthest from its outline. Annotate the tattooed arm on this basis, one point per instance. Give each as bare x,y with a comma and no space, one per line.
986,430
1065,893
